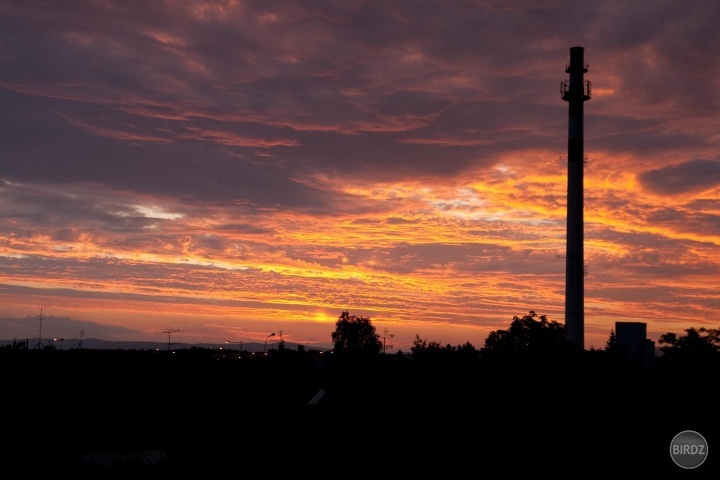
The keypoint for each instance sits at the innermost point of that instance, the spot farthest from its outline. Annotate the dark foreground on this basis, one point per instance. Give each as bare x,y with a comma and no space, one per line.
123,414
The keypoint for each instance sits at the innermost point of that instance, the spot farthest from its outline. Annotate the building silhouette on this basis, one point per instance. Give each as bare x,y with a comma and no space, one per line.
632,340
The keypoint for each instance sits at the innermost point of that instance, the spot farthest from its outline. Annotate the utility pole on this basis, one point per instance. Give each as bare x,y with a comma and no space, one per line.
168,334
39,345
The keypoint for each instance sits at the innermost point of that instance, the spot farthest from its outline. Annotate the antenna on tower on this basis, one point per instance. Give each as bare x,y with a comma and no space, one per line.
386,334
82,333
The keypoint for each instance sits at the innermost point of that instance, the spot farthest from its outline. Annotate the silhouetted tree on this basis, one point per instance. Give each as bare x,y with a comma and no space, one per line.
434,353
611,345
697,345
421,345
355,335
531,332
467,352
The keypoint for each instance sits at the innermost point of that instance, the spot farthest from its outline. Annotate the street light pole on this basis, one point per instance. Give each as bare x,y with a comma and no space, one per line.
271,335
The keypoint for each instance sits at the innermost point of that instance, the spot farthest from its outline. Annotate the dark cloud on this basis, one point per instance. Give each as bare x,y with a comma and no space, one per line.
687,177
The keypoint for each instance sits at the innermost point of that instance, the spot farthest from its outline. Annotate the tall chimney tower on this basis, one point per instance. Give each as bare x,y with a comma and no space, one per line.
576,92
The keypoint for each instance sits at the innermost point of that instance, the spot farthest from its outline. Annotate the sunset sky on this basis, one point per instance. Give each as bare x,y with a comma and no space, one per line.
228,169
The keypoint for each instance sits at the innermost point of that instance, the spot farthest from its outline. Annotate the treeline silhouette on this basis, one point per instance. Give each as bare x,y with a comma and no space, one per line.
527,397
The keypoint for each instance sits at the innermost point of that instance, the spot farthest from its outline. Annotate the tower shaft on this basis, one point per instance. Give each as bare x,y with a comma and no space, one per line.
576,92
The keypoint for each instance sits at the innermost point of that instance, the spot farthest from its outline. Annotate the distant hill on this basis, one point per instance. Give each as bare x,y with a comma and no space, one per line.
97,344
